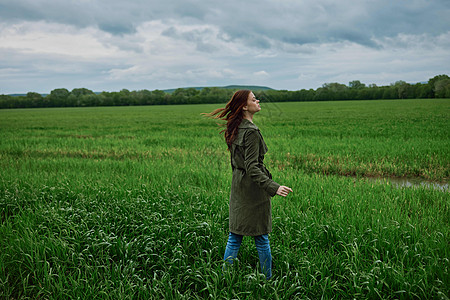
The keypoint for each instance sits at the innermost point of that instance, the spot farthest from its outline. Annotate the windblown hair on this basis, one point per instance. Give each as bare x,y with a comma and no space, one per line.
233,114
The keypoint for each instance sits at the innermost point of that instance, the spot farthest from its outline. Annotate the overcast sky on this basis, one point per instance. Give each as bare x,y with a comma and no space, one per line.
108,45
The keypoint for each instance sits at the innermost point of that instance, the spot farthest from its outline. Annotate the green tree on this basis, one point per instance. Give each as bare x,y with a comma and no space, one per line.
424,91
356,84
81,91
7,101
389,92
34,99
336,91
183,96
57,97
442,88
432,81
403,89
159,97
438,85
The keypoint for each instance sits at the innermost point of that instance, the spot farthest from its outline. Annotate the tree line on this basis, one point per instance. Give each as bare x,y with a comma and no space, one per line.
436,87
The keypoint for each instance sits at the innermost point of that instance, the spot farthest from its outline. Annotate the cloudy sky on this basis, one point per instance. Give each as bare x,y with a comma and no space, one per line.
108,45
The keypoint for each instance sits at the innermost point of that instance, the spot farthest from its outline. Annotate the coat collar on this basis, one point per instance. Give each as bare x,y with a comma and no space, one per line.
247,124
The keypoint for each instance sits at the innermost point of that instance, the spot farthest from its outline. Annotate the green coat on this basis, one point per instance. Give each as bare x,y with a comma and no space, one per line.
252,185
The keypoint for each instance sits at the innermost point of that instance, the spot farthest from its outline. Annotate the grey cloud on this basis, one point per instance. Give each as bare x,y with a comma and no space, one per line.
299,39
412,17
117,28
114,16
356,36
44,72
288,39
195,36
170,32
320,21
258,41
52,11
253,22
17,11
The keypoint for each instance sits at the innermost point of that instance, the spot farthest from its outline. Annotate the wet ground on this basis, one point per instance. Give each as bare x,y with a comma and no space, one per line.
413,182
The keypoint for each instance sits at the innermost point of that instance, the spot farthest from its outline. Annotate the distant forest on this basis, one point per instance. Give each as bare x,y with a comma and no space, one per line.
436,87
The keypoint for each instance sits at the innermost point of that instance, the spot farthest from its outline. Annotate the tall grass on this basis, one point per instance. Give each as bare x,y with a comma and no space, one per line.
132,203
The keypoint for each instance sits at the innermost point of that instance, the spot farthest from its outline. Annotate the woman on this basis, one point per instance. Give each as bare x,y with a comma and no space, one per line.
252,186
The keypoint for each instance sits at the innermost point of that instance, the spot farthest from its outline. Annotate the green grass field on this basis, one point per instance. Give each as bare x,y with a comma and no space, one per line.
132,203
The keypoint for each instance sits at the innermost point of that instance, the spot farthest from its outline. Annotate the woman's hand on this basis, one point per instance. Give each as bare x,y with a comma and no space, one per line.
284,190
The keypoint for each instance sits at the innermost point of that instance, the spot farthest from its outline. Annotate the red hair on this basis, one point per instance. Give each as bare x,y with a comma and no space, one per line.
233,114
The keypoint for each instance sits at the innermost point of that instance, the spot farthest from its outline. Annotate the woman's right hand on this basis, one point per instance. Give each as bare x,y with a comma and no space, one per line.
283,190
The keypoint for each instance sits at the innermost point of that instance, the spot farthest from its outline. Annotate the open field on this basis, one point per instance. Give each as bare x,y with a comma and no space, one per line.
132,203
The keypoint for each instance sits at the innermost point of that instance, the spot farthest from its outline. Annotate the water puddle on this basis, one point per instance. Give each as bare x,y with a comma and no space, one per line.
412,183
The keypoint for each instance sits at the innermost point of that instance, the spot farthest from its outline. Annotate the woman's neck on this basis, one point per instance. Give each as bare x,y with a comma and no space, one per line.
248,116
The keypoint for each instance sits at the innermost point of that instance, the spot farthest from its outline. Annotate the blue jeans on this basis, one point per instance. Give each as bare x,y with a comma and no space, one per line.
262,246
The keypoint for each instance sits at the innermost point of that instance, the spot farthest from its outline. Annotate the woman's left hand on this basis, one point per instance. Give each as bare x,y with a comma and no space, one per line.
284,191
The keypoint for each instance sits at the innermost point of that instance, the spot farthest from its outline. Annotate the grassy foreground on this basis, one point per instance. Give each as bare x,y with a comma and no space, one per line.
132,203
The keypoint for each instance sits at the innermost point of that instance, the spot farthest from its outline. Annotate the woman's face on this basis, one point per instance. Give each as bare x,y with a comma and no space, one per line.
252,104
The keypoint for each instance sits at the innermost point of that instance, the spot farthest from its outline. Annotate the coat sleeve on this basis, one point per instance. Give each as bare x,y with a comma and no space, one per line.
252,168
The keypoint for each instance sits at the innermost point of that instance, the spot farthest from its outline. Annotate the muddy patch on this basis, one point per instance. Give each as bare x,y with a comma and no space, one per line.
411,183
